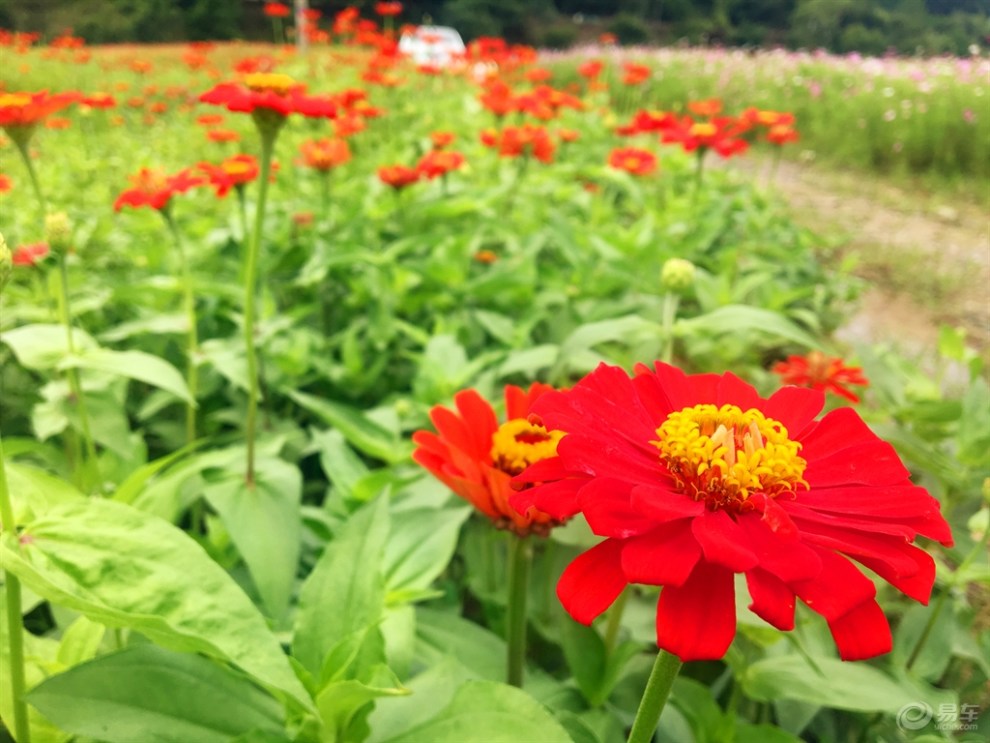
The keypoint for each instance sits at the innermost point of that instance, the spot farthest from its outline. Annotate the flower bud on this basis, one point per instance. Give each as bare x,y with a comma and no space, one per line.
677,275
6,263
58,232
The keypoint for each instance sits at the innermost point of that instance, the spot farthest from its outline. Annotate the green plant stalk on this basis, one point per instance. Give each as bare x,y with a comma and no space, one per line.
22,147
615,620
75,386
192,341
661,681
520,561
979,548
250,290
699,172
15,626
670,303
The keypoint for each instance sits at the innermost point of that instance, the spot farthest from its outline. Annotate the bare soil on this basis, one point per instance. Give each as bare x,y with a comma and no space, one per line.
925,257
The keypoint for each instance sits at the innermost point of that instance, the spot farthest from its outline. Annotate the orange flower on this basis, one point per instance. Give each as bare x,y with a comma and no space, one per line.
538,75
20,113
486,256
526,140
234,172
477,458
591,69
152,187
30,255
99,100
439,162
57,122
398,176
269,97
5,183
276,10
607,39
633,160
720,134
708,108
568,135
442,139
209,119
389,9
325,154
781,134
634,73
821,372
223,135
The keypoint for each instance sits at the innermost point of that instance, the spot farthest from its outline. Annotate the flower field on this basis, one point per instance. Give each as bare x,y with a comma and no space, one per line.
350,399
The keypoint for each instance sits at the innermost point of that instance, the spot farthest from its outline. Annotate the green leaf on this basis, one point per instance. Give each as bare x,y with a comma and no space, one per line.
342,466
422,547
441,635
340,701
42,347
80,642
849,686
154,324
488,711
345,592
740,319
529,361
148,693
265,524
363,433
137,365
763,734
591,334
124,568
33,491
129,489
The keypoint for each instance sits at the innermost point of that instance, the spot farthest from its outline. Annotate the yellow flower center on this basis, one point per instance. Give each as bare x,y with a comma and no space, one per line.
518,443
235,168
10,100
724,455
703,129
270,82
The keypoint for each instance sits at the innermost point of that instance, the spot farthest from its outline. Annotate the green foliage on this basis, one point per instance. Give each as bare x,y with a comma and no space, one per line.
629,29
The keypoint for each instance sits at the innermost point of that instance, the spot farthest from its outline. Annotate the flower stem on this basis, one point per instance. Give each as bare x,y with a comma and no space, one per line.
189,305
22,147
92,465
655,697
15,626
520,560
250,289
670,302
615,621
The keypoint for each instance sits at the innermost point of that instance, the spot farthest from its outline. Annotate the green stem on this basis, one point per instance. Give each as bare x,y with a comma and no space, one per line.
250,289
698,173
615,620
75,386
192,343
670,303
15,625
655,697
520,560
22,147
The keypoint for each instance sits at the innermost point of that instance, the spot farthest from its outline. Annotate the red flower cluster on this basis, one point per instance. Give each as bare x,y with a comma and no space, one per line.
31,255
153,188
276,10
269,97
325,154
692,479
521,141
388,9
20,113
439,162
821,372
476,457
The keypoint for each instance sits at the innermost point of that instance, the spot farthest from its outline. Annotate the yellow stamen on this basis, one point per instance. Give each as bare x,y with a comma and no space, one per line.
724,455
19,100
518,443
703,129
270,82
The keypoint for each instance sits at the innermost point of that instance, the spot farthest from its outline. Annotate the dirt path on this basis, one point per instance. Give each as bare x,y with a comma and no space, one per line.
926,260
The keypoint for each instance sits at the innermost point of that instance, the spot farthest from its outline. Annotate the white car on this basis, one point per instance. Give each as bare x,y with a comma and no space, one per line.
432,45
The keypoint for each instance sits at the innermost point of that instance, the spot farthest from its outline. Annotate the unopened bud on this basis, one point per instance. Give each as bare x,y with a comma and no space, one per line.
677,275
58,232
6,263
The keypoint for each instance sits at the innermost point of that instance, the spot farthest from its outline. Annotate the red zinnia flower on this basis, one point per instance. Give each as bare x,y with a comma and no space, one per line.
325,154
20,113
633,160
821,372
476,457
720,134
152,187
708,108
222,135
99,100
692,479
276,10
30,255
269,97
439,162
635,73
398,176
388,9
442,139
781,134
5,183
591,69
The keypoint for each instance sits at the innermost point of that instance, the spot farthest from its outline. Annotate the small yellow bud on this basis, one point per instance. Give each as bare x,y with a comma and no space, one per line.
677,275
58,232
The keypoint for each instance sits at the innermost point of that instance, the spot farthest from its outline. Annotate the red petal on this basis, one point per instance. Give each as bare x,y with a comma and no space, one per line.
658,504
840,429
773,600
868,463
723,542
606,505
697,621
559,499
838,589
479,419
795,407
662,557
733,391
862,632
916,583
685,391
784,556
889,549
592,581
611,458
452,429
